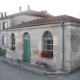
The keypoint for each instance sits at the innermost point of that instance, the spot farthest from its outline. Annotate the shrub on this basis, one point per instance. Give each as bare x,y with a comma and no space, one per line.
2,52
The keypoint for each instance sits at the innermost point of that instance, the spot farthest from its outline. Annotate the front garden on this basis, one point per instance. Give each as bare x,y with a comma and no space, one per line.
2,52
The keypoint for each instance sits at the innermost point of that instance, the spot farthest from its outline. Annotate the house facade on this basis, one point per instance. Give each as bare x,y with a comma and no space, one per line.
59,35
16,19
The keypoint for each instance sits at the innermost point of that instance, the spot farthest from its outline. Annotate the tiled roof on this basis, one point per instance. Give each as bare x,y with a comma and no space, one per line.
29,12
47,20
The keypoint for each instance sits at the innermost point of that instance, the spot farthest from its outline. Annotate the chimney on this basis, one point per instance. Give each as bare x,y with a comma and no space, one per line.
28,7
5,14
1,14
20,9
45,11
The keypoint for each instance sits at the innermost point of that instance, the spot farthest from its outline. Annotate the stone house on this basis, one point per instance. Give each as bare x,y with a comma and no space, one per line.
59,34
7,21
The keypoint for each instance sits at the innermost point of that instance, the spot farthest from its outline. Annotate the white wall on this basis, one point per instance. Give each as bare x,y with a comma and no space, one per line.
23,18
3,32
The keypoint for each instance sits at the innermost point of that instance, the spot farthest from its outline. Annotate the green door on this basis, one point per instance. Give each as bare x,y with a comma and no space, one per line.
27,50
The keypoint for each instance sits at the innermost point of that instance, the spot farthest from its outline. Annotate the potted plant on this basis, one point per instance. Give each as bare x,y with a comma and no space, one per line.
12,48
17,60
41,63
46,54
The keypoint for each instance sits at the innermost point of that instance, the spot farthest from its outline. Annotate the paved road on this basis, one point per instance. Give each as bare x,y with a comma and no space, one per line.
73,76
10,72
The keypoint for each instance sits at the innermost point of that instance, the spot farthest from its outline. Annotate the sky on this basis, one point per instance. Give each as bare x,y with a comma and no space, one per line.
54,7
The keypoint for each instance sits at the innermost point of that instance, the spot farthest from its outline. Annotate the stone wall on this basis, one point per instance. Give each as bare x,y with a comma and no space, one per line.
67,46
71,44
36,44
75,47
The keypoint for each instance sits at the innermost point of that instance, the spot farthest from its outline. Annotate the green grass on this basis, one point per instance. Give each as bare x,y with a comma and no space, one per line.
1,54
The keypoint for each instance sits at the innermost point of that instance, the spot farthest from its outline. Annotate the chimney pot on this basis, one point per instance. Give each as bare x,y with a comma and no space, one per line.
20,9
28,7
5,14
45,11
1,14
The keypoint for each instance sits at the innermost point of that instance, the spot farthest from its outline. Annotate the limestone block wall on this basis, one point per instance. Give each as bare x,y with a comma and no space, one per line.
36,44
71,45
17,53
75,46
67,46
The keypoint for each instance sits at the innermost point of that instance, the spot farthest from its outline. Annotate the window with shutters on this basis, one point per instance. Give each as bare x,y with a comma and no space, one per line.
3,39
4,25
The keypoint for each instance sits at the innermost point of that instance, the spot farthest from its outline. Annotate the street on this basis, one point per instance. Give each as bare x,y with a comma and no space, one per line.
75,75
10,72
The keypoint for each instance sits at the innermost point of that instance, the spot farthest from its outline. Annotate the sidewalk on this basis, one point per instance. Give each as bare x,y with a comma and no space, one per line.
33,68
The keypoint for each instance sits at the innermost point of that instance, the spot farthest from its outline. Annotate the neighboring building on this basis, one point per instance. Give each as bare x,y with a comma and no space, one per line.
59,35
18,18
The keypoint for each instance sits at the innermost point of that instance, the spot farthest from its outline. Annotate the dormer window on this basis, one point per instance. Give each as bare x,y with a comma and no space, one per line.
4,25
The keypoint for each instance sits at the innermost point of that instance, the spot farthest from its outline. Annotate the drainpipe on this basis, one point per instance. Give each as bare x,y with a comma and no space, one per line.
62,45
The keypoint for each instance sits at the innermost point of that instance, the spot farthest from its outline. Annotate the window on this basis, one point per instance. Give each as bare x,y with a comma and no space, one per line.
13,39
26,36
4,39
48,41
4,25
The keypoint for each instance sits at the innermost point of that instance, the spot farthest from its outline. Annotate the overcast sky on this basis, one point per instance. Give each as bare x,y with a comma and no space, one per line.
54,7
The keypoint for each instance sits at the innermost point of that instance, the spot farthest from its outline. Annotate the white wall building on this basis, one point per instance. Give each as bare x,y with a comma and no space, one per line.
17,18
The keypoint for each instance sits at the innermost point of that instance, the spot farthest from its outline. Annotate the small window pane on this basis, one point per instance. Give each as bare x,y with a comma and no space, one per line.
48,47
48,41
44,46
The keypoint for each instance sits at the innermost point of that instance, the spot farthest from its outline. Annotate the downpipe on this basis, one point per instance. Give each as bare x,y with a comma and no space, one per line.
62,46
